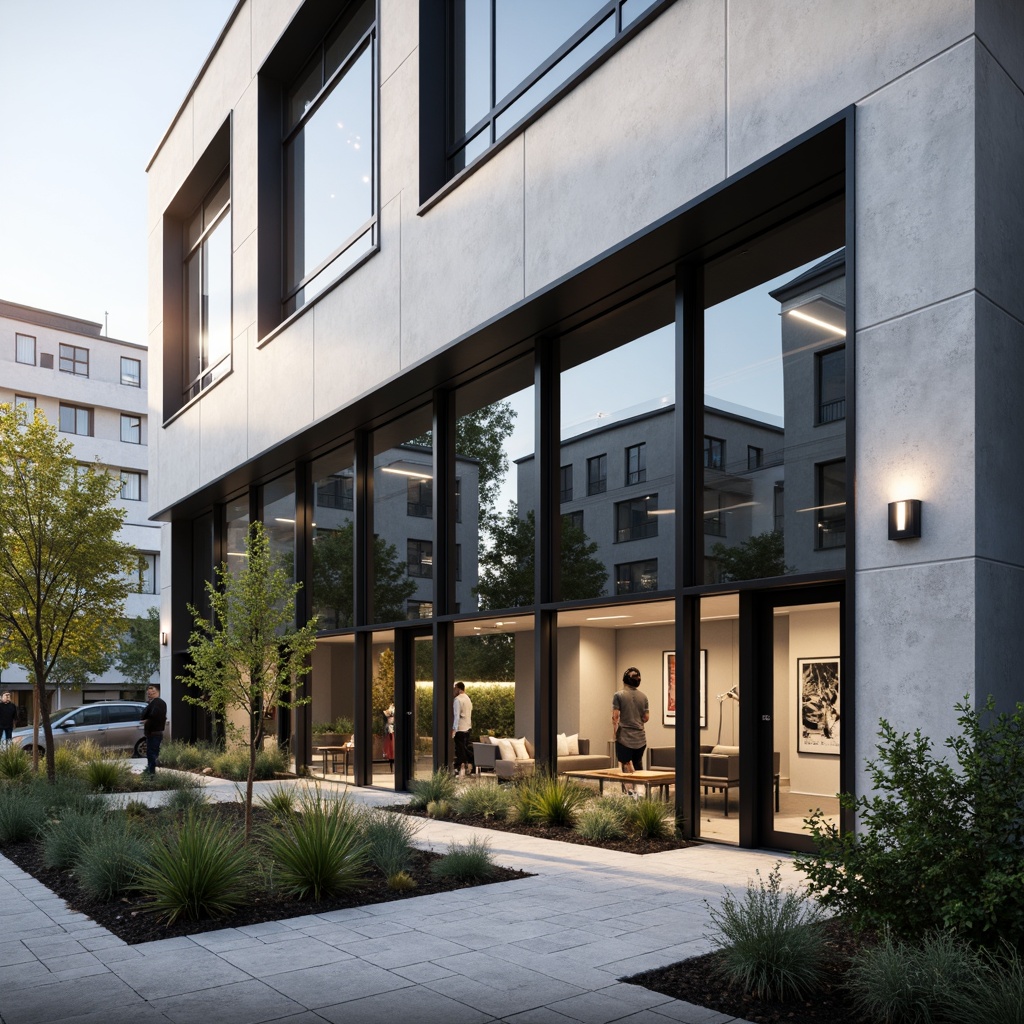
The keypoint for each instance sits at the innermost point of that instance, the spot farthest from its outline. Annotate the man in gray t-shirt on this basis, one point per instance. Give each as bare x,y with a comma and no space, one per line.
630,712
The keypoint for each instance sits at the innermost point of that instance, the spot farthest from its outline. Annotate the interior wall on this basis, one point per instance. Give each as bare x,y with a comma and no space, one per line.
597,660
784,702
645,649
524,684
813,633
720,638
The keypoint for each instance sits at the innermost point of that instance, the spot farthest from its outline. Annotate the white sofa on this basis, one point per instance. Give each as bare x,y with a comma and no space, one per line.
492,753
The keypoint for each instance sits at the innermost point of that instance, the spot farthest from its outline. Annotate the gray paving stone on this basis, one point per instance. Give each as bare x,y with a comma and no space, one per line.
176,972
426,971
316,987
247,1002
42,1004
266,960
403,950
421,1006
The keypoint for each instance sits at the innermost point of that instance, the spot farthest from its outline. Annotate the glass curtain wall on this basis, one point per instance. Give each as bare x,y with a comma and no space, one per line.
236,514
279,522
333,539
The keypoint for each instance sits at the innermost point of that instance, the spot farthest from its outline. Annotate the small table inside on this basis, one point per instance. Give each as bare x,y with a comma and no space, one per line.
661,779
336,754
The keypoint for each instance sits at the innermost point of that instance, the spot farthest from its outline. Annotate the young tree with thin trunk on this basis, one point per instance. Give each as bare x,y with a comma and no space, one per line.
64,575
248,656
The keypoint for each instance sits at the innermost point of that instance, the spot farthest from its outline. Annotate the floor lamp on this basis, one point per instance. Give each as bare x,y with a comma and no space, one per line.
733,694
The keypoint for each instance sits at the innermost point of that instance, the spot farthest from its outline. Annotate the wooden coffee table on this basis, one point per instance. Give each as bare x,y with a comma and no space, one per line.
661,779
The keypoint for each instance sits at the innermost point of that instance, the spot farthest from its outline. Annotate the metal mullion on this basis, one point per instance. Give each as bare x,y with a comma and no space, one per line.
370,222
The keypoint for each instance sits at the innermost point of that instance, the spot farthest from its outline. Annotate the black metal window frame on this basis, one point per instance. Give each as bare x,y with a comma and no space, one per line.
20,345
830,516
420,558
755,457
714,452
633,519
832,410
131,428
597,474
419,498
565,483
639,577
636,464
574,518
131,482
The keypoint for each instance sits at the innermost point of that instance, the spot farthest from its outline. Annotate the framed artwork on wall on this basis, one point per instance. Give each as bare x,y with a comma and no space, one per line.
668,680
817,705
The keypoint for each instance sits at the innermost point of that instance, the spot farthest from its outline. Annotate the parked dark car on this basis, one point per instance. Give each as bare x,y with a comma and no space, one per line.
111,723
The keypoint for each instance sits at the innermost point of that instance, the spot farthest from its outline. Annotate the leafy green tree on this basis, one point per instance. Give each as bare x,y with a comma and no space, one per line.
248,655
757,558
138,656
64,575
506,568
332,578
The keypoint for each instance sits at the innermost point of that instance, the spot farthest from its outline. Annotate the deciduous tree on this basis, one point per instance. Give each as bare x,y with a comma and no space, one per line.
138,655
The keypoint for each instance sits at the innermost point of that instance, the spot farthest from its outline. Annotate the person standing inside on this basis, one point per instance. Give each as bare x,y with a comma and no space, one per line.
154,721
462,724
630,712
8,718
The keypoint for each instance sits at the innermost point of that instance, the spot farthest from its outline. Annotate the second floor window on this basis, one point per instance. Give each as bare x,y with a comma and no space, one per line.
565,483
25,349
330,159
755,457
831,385
131,372
634,519
420,500
572,521
714,453
131,485
597,474
636,464
335,492
420,559
74,419
207,290
74,359
131,428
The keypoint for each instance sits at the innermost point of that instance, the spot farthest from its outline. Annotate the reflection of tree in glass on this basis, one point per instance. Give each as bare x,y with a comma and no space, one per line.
506,568
757,558
332,579
820,711
138,656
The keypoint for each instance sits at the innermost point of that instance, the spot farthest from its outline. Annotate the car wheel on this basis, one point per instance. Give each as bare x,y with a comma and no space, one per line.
140,749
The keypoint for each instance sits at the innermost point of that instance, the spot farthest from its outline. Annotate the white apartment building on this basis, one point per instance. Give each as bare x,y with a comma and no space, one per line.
94,389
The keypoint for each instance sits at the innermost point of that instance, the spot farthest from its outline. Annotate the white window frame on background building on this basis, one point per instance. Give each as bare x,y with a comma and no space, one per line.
131,428
74,359
131,485
25,349
131,372
75,419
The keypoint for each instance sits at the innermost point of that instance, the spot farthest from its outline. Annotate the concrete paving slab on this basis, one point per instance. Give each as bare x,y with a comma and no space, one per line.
246,1002
430,1007
316,987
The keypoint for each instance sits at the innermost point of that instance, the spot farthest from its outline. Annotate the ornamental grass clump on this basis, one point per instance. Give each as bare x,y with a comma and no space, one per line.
107,775
649,819
187,757
465,862
770,944
199,870
280,801
65,837
994,994
15,764
484,801
543,800
602,820
442,785
388,839
109,863
318,852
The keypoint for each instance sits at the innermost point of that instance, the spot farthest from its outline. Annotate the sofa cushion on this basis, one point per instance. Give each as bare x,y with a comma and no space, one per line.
562,748
721,748
519,746
573,742
505,748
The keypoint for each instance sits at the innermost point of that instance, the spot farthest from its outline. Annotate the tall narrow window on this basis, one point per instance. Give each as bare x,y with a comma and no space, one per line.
74,359
330,159
636,464
131,485
25,349
831,518
131,428
831,385
420,498
207,290
420,559
714,453
131,372
565,483
597,474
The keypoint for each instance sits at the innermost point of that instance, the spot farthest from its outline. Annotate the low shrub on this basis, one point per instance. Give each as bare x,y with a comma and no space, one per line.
14,762
994,994
270,761
188,757
66,762
110,862
940,837
601,820
466,862
439,809
66,837
769,941
540,799
234,763
106,775
649,818
199,870
280,801
319,851
401,881
341,726
23,813
388,837
442,785
187,800
484,800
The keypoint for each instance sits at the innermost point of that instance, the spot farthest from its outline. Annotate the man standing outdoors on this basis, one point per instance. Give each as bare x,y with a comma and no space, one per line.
154,719
8,718
630,712
462,723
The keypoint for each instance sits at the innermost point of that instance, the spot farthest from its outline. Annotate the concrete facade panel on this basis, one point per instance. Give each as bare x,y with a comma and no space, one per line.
243,283
269,20
399,36
170,167
462,261
916,433
1000,27
357,333
916,188
1000,640
916,649
225,422
610,158
793,64
280,381
399,129
225,80
244,156
999,223
178,471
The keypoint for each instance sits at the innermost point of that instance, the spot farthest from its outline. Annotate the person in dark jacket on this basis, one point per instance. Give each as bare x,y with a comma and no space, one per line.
154,721
8,718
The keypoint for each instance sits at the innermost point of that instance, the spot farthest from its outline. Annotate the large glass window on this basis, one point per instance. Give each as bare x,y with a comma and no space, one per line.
597,474
75,419
329,159
237,531
636,577
636,464
279,522
333,539
207,290
831,384
830,528
636,519
507,56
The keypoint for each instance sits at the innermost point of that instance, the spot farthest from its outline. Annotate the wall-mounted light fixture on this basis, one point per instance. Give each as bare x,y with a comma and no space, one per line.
904,519
163,639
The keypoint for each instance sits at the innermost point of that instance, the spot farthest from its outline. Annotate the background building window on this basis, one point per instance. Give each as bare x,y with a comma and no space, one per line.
146,579
636,464
714,453
635,577
28,402
131,428
755,457
633,519
831,519
565,483
420,559
330,159
714,521
335,492
597,474
573,519
420,500
207,289
831,385
421,609
74,419
25,349
131,485
131,372
74,359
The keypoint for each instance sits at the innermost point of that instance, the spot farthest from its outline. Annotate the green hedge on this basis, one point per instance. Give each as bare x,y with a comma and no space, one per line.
494,708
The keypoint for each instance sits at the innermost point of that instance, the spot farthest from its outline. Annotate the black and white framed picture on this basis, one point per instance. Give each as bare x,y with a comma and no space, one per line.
668,677
817,705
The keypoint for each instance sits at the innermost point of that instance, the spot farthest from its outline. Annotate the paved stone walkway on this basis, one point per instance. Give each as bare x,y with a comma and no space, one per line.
542,950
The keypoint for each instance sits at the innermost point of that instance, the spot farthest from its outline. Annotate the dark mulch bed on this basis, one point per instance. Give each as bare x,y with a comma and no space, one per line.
695,981
560,833
128,919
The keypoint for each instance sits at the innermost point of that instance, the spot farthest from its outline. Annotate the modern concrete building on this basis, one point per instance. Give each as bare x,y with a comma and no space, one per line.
94,389
374,221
